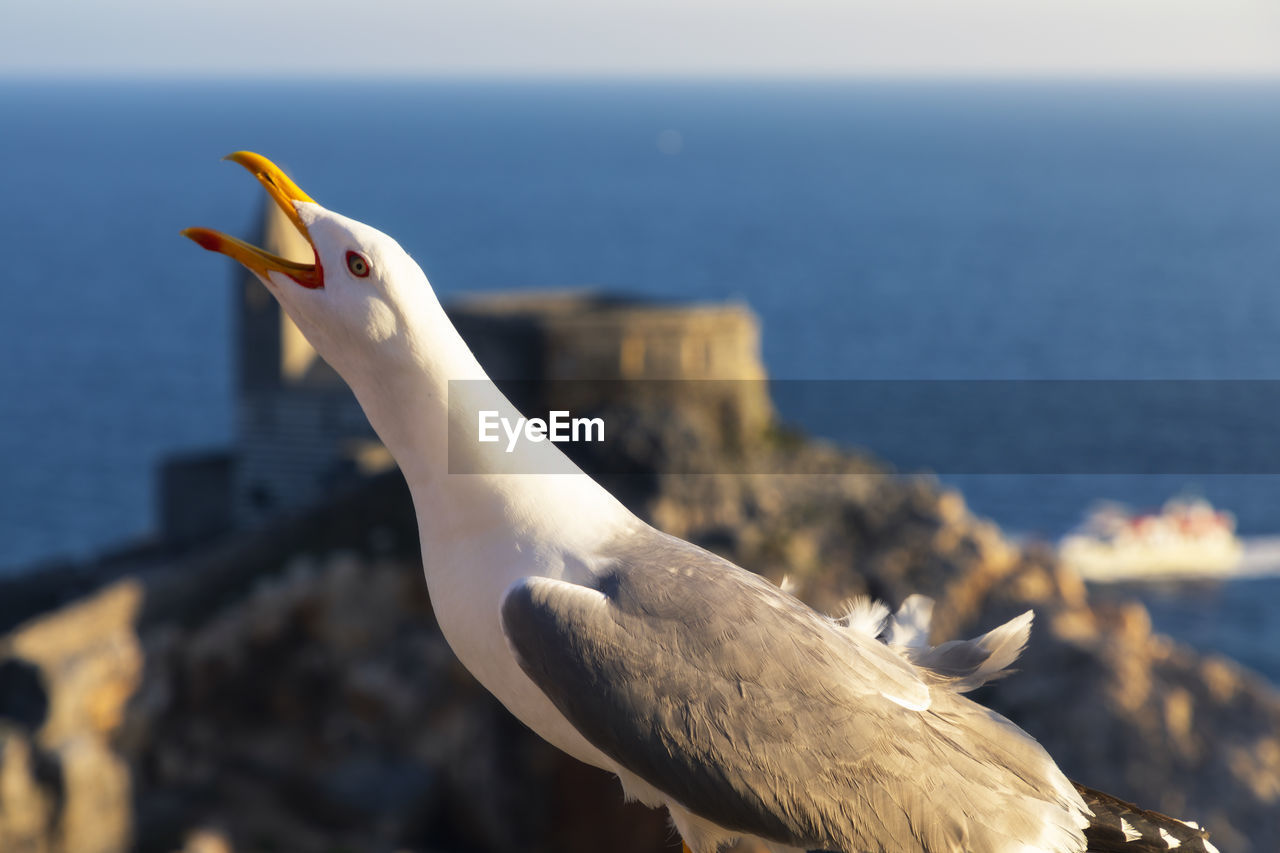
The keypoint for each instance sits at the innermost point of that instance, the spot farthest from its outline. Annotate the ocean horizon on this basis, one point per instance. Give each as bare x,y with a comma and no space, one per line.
896,230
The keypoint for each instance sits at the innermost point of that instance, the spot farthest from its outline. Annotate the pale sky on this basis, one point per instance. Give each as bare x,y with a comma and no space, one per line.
645,37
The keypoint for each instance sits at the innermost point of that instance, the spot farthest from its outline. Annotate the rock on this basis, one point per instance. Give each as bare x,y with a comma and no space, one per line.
61,774
207,841
297,694
96,814
26,804
89,660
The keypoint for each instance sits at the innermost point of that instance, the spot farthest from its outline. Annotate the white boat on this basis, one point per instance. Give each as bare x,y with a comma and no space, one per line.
1187,539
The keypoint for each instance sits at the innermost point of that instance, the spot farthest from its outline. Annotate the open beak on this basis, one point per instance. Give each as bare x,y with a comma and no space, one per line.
285,192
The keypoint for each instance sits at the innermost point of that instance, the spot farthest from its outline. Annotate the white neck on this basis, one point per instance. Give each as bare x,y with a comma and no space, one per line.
425,406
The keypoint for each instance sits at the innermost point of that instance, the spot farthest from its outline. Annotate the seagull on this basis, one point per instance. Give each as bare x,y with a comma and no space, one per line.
706,689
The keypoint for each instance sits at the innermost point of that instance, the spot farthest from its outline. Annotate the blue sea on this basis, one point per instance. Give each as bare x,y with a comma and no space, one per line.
901,231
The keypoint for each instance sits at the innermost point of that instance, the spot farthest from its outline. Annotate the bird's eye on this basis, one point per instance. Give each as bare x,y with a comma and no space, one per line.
358,265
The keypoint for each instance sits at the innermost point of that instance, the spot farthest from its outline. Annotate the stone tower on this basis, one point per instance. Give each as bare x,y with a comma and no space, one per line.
300,431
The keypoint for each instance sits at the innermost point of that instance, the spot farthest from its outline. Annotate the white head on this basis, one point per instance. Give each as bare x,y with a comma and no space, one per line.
363,303
368,310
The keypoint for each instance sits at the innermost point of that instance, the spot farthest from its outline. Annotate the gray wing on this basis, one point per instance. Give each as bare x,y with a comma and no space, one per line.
764,717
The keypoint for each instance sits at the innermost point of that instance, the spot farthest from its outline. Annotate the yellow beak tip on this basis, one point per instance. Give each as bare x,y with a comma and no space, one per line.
272,177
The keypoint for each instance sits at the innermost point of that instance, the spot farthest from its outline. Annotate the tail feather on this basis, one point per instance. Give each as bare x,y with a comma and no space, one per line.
1120,827
960,665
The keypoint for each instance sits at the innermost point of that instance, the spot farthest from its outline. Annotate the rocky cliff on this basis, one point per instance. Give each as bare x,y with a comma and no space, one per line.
288,689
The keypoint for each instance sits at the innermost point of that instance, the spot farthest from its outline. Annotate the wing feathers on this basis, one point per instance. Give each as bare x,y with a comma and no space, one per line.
964,665
958,666
864,616
752,711
910,625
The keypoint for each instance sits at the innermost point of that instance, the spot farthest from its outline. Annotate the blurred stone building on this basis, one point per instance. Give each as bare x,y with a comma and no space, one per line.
300,431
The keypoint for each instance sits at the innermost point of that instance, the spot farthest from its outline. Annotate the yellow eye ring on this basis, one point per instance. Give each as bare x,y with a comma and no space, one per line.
358,264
